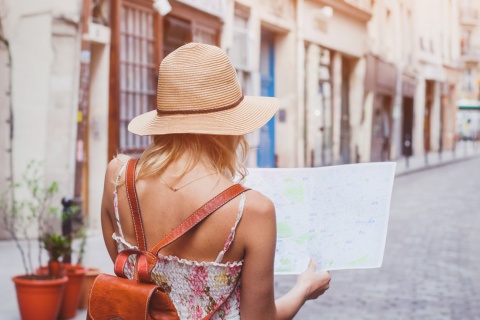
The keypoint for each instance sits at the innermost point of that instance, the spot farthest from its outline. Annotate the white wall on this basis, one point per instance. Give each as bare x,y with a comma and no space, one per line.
98,130
44,40
435,118
314,115
342,32
285,85
357,112
418,118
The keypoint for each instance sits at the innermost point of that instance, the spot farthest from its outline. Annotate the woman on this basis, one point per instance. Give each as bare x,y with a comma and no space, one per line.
197,150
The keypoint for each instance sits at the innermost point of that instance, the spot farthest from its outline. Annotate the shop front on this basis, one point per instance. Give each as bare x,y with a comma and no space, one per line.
381,81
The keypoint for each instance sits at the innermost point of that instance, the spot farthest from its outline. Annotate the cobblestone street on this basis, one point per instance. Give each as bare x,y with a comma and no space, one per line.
430,268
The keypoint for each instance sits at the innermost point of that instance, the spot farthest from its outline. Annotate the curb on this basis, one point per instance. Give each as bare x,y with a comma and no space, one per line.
437,165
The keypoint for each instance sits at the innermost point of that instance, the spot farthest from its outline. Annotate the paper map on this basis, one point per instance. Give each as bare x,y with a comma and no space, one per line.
338,214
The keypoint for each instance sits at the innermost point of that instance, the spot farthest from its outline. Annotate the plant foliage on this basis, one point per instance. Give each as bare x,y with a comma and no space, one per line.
28,218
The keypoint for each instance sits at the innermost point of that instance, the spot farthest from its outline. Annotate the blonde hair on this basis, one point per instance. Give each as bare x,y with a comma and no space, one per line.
226,153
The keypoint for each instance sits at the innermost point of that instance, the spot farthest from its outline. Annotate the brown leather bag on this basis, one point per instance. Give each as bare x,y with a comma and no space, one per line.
116,297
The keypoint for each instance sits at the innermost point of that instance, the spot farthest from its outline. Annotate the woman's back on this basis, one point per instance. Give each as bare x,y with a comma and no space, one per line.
201,269
163,210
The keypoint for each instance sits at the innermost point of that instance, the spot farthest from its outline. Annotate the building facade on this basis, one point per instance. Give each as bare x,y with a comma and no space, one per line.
357,80
413,76
436,59
468,118
333,36
259,36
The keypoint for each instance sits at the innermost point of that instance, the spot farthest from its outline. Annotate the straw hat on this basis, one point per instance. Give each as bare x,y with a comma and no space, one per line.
198,92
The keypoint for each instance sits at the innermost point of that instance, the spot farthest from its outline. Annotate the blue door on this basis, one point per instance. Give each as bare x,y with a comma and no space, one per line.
266,147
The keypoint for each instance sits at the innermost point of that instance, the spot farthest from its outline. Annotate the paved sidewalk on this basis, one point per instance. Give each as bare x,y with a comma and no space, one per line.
11,264
464,150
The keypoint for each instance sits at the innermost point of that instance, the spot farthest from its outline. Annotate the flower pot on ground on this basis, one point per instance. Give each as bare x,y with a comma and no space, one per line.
73,290
90,276
39,298
90,273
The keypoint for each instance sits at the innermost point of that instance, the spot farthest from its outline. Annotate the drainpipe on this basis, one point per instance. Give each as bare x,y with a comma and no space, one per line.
10,107
82,118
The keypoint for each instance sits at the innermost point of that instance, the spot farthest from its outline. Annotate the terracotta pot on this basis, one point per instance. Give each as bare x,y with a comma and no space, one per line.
39,297
73,288
89,278
54,269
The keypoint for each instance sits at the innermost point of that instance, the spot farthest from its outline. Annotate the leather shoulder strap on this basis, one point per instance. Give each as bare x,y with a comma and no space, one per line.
134,205
199,215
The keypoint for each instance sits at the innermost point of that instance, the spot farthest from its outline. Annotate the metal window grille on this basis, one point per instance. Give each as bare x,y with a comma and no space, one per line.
137,72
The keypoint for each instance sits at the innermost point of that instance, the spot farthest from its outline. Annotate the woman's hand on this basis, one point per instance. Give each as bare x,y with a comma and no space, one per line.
310,285
313,283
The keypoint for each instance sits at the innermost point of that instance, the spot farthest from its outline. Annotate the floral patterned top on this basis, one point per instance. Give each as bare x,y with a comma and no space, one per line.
194,287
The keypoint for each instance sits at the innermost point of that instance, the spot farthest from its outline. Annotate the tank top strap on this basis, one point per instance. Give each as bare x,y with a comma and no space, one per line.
115,199
232,232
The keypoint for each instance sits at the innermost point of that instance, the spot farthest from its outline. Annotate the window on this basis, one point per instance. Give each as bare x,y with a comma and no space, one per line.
467,80
137,72
176,32
205,34
140,39
186,24
240,48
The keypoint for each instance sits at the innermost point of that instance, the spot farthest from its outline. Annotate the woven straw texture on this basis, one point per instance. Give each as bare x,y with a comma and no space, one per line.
198,92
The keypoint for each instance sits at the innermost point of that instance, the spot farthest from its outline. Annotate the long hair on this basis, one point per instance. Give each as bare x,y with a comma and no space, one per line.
226,153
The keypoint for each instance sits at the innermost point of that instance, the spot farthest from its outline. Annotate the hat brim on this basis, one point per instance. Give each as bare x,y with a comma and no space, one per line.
251,114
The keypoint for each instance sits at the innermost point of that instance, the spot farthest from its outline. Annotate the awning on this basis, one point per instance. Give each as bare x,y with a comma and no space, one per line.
468,104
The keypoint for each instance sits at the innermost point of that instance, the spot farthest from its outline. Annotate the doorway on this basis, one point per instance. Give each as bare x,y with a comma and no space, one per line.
266,146
381,128
345,113
407,126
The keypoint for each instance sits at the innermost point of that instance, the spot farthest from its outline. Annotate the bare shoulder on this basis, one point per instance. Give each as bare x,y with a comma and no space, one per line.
114,167
257,205
116,164
258,232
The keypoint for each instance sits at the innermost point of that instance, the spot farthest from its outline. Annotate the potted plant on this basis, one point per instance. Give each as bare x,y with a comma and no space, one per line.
72,227
57,246
39,296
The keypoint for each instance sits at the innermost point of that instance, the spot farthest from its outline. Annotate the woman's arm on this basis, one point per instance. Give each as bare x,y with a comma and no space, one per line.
257,291
107,210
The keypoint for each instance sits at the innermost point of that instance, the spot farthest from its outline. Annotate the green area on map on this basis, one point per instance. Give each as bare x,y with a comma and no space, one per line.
294,191
284,230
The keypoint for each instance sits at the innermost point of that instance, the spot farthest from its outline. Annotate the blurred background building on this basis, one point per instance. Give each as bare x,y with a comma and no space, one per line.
358,80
